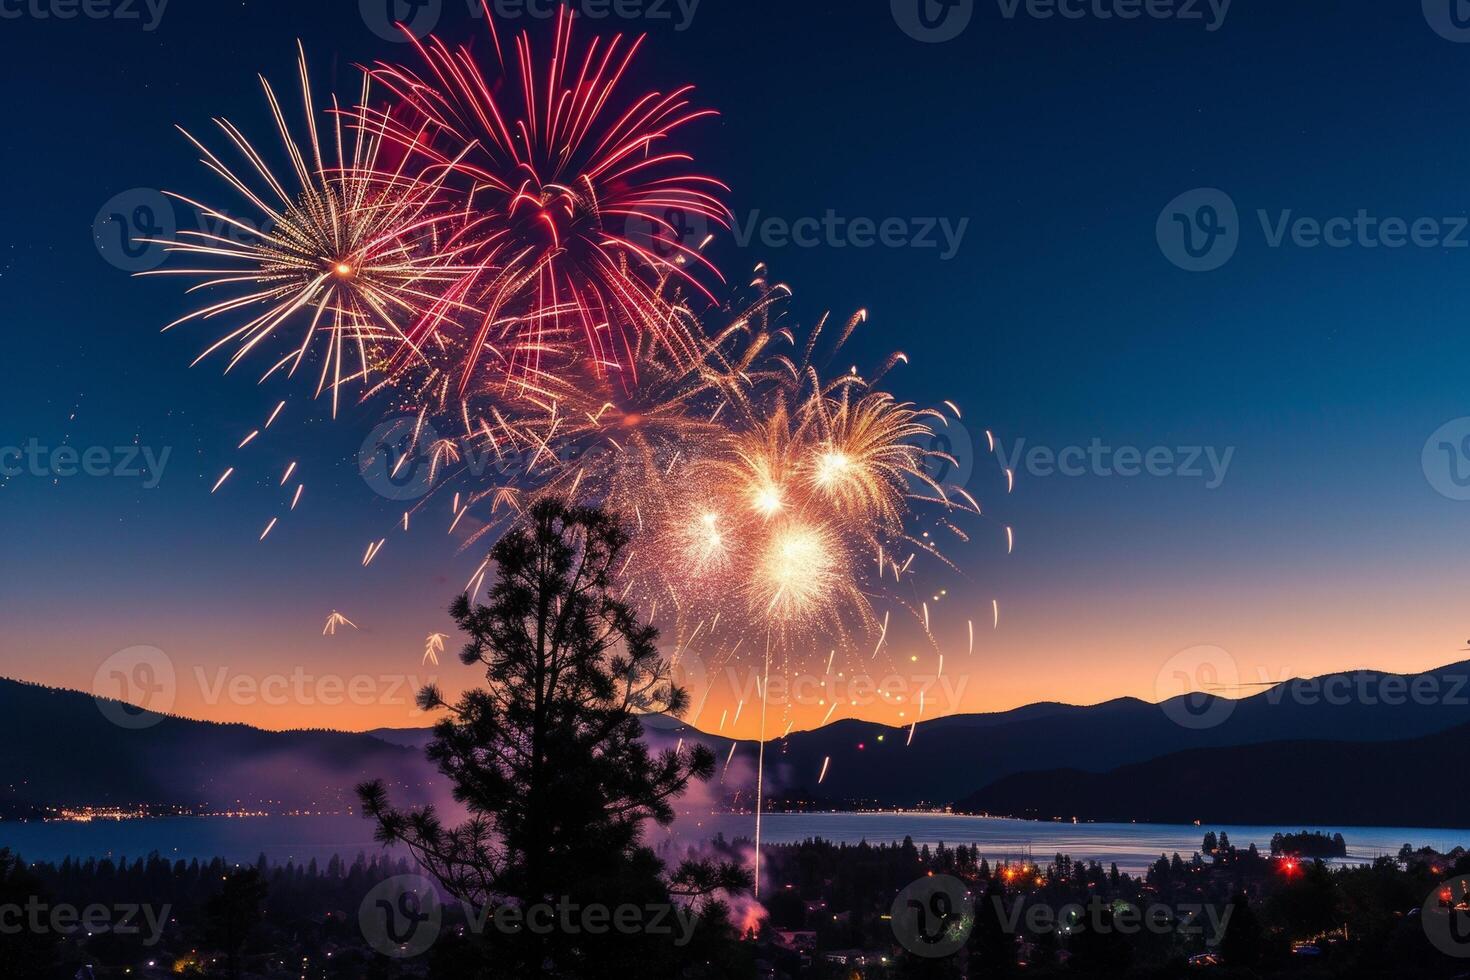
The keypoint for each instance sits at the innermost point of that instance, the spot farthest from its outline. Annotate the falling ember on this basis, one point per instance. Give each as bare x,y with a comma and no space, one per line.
271,421
223,477
995,607
248,439
1010,540
287,475
372,551
334,621
296,498
825,763
433,646
457,517
268,528
882,635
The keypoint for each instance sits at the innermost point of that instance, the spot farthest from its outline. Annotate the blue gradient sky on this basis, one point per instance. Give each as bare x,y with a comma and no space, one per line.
1059,321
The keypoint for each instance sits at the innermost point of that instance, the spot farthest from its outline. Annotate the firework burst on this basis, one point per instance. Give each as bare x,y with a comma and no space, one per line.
755,490
352,255
568,192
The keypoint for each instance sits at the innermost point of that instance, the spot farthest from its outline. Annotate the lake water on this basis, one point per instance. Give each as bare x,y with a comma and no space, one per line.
1132,846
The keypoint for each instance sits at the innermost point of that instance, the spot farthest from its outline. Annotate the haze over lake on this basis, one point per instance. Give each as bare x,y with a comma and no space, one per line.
1132,846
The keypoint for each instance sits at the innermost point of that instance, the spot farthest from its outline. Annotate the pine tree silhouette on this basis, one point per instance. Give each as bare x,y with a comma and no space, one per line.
549,759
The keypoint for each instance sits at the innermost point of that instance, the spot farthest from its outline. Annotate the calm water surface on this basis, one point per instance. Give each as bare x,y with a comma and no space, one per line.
1132,846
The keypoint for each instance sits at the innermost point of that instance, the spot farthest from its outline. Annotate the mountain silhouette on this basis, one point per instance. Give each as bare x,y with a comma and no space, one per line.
1403,783
61,750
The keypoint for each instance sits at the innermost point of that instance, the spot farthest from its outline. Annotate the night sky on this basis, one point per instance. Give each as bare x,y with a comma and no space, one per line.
1059,320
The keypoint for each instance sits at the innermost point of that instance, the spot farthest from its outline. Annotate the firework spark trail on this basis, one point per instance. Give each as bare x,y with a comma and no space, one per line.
760,777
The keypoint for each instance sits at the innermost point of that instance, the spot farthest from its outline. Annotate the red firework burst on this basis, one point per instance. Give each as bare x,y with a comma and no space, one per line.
571,192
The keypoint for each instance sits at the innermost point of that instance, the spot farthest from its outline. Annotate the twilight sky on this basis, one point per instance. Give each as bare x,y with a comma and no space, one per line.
1316,365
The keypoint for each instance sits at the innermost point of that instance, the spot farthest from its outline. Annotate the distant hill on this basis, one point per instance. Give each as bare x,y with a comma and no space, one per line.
950,757
1403,783
59,749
